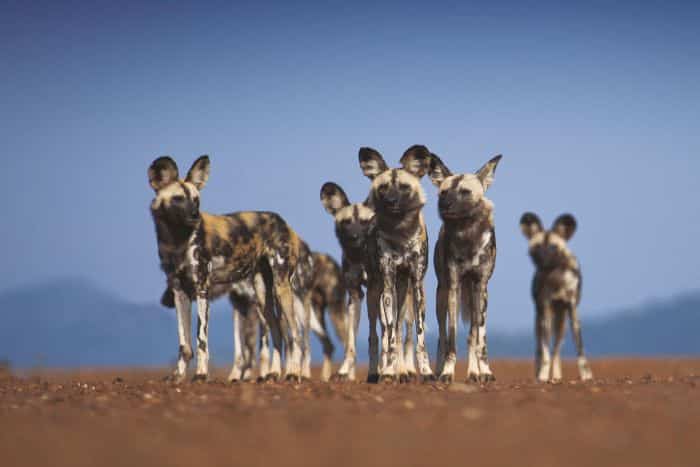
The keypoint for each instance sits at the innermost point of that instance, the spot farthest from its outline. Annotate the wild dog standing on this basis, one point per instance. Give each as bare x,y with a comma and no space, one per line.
556,290
352,226
398,256
202,255
328,293
465,257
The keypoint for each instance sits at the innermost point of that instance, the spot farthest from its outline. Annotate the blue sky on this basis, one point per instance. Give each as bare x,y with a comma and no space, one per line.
595,108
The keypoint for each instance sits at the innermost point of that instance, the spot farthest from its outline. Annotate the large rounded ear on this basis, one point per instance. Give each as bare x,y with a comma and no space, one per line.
530,225
416,160
371,162
565,226
333,198
488,171
438,170
162,172
199,172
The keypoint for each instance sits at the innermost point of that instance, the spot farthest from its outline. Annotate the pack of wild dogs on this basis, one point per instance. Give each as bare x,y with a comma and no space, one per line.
282,291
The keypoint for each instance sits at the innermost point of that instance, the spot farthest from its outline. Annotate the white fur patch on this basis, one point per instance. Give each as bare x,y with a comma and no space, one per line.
485,240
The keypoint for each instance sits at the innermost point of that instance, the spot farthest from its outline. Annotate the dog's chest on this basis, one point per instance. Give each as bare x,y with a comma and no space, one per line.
560,284
410,254
472,251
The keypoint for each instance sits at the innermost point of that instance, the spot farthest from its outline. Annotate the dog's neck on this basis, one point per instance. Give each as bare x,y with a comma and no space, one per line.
471,226
400,228
173,240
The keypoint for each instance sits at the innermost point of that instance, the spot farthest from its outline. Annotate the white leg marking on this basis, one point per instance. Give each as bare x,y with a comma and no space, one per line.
545,326
237,370
348,364
202,337
183,308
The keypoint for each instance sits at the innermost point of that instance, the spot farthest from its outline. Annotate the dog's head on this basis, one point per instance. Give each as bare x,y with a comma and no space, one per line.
352,221
177,201
549,248
461,194
395,191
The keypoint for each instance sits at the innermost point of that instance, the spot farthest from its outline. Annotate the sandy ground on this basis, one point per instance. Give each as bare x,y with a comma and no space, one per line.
636,412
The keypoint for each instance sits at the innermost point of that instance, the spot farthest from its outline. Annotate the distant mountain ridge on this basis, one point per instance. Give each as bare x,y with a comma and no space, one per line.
71,322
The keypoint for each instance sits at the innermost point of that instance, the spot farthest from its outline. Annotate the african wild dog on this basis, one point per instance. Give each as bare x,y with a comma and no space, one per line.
353,223
465,257
397,252
203,255
556,290
352,226
328,293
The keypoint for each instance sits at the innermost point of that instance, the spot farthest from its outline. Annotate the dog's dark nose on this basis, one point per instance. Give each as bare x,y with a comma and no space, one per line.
392,197
446,200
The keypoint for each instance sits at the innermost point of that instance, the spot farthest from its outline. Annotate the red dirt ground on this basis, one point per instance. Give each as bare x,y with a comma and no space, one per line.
637,412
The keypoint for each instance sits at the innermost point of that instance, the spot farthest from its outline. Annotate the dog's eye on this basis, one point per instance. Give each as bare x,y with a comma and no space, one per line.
383,188
465,192
404,187
178,199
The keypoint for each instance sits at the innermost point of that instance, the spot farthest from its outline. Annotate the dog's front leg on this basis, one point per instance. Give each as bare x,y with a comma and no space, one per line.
543,332
559,322
452,299
441,314
354,307
477,338
388,315
373,298
419,313
202,336
583,367
183,307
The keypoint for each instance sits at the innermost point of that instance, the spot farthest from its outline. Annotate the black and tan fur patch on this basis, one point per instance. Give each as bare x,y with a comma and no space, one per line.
203,255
